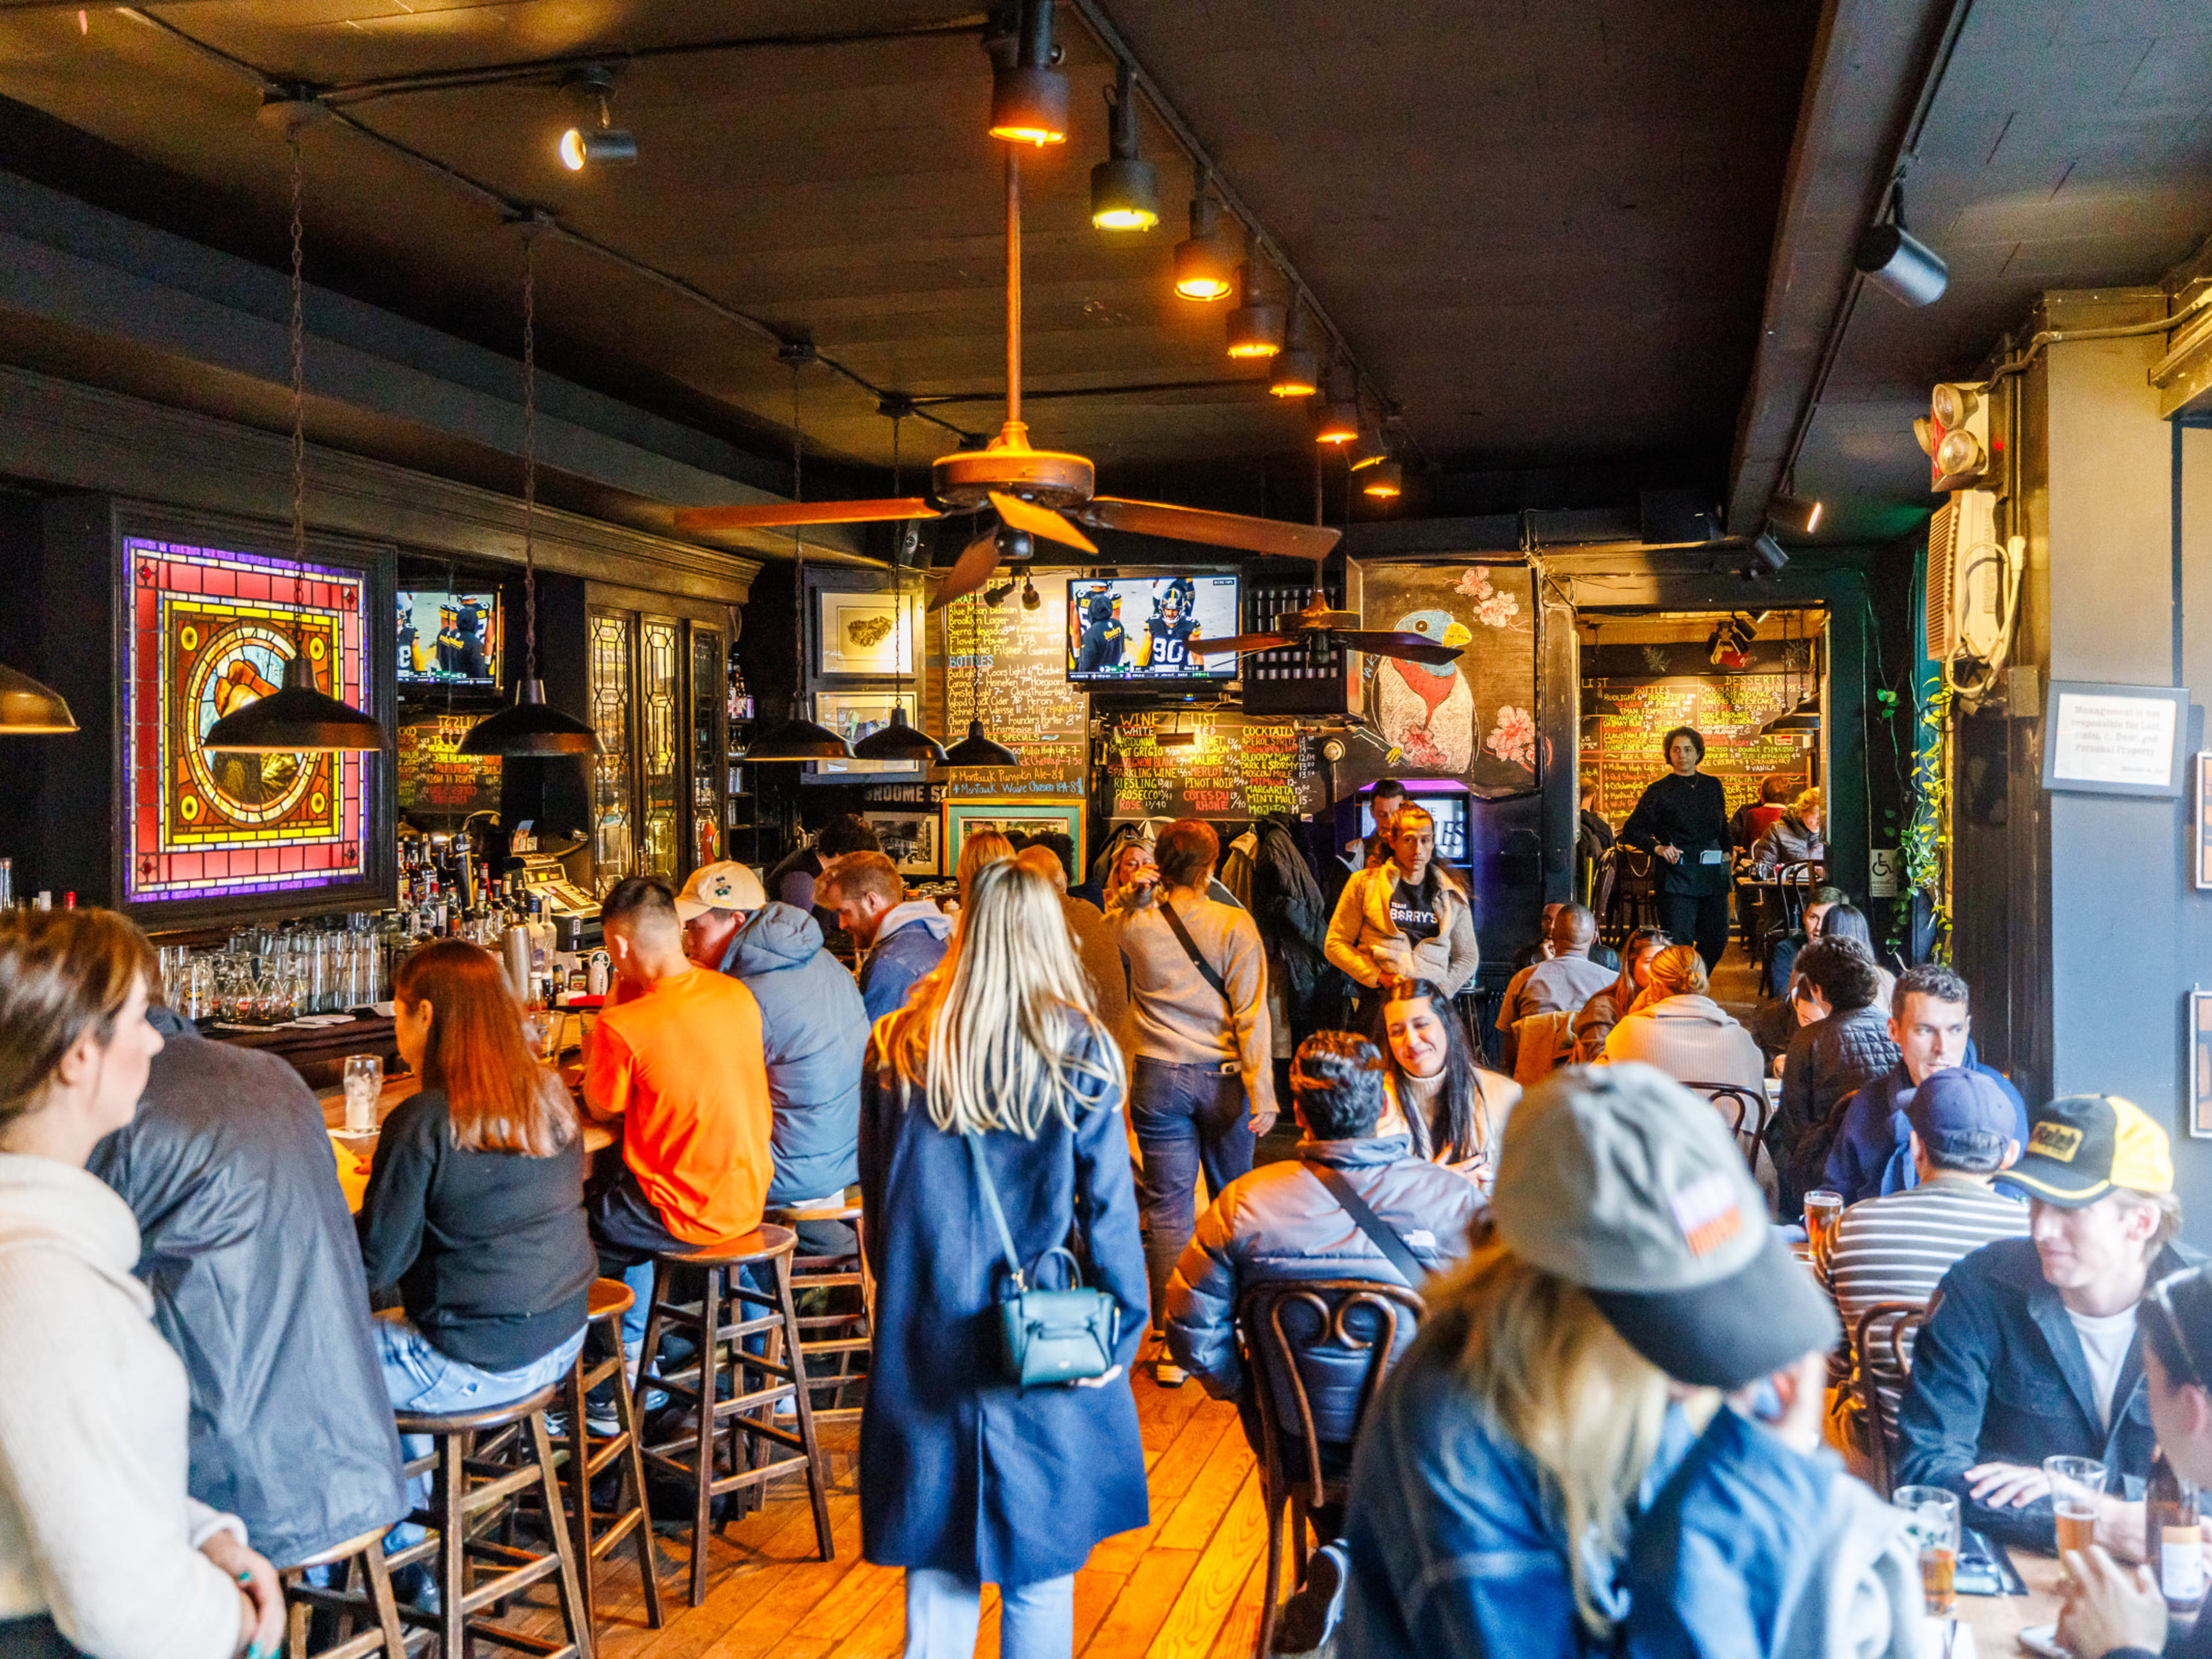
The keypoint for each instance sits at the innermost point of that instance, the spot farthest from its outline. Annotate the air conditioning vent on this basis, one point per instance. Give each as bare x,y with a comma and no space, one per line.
1965,577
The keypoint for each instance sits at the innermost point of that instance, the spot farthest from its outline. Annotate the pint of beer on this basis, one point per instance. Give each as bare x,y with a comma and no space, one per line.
2077,1483
1823,1209
1932,1519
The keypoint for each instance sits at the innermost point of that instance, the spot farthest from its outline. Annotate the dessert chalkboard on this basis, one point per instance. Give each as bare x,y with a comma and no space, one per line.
1236,768
435,780
1010,666
1624,720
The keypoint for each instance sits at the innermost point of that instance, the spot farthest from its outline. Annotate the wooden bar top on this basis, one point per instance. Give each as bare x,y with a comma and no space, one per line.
354,1151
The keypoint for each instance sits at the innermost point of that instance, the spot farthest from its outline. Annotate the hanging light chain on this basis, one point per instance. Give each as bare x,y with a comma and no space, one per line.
530,450
798,554
298,343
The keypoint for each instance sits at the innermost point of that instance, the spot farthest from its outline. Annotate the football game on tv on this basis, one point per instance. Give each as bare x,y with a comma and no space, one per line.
1139,629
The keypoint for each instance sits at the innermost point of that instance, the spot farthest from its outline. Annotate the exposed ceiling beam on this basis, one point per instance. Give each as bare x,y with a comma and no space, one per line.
1876,67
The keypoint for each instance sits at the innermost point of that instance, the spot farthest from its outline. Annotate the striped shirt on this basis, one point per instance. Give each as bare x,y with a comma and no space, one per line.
1897,1248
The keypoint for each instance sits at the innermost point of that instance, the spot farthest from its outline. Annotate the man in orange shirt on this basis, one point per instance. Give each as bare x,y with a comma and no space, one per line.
677,1061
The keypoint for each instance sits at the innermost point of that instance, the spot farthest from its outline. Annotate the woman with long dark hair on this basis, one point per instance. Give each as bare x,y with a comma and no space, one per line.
998,1060
1454,1108
1683,819
475,1207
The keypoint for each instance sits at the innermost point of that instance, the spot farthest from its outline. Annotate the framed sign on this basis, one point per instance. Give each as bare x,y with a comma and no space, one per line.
854,715
964,819
2114,740
2200,1064
909,837
2204,820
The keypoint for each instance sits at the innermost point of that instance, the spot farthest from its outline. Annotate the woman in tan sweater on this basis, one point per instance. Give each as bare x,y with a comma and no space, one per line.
101,1550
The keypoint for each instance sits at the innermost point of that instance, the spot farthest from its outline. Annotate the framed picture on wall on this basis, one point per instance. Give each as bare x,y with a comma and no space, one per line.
2204,820
2115,739
2200,1064
865,634
964,819
910,837
854,715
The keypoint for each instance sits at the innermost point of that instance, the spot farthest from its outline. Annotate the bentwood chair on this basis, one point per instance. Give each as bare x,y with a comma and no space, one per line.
1747,1110
1318,1351
1893,1324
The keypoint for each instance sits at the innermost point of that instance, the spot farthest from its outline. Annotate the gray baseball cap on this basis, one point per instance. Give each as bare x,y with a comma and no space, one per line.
1619,1179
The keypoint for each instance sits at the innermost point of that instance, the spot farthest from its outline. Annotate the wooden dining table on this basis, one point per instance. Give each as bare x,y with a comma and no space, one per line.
354,1151
1997,1620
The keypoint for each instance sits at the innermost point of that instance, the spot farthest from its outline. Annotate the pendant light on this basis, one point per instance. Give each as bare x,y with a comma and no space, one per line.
896,740
1804,714
1029,91
1205,261
977,748
1256,326
29,709
530,725
299,717
1125,188
1340,414
799,738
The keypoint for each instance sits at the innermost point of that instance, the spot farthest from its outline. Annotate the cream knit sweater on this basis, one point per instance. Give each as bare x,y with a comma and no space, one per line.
96,1529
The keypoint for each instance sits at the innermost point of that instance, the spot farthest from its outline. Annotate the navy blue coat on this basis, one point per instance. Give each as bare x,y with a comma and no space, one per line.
960,1471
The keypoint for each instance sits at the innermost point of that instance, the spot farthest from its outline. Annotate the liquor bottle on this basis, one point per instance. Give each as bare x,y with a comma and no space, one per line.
2175,1535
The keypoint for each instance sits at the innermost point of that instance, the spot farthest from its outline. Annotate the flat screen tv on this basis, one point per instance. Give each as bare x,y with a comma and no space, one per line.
1139,630
449,638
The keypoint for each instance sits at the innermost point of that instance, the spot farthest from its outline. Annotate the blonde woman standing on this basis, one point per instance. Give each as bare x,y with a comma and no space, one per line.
965,1479
102,1551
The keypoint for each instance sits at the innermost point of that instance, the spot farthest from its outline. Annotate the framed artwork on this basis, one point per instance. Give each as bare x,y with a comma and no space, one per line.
2200,1064
852,715
911,837
963,818
2204,820
208,630
867,634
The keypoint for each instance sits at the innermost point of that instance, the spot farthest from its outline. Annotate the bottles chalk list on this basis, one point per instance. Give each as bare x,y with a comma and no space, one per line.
1010,666
435,780
1236,768
1624,720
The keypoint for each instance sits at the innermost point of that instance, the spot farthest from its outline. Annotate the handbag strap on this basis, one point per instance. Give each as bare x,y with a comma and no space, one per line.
1383,1235
1190,947
991,1205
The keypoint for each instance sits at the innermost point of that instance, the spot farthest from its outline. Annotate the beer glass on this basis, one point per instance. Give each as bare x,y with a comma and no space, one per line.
1823,1209
364,1083
1931,1521
2077,1483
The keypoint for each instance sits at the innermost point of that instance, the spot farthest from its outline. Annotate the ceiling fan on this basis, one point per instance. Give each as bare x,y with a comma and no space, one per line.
1319,628
1037,494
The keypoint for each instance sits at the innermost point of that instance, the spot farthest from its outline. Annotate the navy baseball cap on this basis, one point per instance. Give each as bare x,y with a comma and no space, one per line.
1959,1102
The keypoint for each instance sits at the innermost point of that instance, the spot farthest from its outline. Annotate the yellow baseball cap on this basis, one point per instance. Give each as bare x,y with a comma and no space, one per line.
2082,1146
727,886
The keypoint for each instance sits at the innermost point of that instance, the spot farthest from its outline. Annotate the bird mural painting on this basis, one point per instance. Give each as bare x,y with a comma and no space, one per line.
1429,713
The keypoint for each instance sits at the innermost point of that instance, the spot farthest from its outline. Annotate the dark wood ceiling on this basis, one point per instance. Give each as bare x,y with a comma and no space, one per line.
1544,229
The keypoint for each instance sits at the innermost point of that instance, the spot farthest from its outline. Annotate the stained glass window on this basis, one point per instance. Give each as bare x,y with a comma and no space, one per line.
611,775
211,631
663,715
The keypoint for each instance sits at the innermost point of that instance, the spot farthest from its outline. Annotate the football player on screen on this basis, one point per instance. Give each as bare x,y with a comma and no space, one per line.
1165,647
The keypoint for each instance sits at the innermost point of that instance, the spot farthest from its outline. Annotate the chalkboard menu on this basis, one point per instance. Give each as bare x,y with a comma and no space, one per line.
1011,665
1237,769
1624,720
435,780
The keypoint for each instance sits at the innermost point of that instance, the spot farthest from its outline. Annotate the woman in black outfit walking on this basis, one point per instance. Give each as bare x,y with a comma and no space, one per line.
1683,819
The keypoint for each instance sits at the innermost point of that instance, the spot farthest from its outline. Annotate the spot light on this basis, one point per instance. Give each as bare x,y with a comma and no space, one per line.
1028,92
1125,188
1767,556
1296,372
1256,325
1795,513
1385,480
604,145
1368,449
1900,264
1205,261
1339,416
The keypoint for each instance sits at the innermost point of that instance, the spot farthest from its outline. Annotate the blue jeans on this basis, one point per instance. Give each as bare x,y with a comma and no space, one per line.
1036,1621
421,1378
1188,1119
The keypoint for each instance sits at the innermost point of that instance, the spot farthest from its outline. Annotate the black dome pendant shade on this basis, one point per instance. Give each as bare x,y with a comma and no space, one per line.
976,750
298,719
530,725
798,739
897,741
29,709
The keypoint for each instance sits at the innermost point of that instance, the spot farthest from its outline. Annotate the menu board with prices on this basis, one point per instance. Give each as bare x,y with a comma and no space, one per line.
1009,666
1623,721
436,780
1236,768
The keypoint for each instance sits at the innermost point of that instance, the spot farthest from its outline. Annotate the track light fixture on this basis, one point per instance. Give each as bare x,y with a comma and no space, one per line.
1767,556
1894,260
1205,261
605,145
1125,188
1028,92
1297,372
1795,513
1256,325
1385,480
1368,449
1340,414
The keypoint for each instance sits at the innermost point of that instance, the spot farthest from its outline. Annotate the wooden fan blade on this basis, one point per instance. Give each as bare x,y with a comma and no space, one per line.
969,571
1332,618
1040,521
1190,524
1239,643
1410,646
782,515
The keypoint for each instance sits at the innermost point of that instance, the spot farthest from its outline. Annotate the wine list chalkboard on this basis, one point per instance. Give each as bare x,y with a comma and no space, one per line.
1623,720
1010,666
436,780
1236,768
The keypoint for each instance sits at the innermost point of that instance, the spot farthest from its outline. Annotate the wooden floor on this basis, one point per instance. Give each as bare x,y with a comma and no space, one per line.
1185,1587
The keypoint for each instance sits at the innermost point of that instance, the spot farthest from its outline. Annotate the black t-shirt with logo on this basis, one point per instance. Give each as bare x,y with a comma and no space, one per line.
1412,913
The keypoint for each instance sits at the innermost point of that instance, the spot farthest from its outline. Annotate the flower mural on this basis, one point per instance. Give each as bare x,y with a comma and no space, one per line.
1492,607
1513,738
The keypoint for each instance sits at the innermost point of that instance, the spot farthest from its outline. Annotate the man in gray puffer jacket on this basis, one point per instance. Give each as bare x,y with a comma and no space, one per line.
1281,1222
813,1028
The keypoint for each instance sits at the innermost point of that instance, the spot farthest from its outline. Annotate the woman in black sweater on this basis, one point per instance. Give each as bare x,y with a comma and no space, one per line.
1683,818
475,1207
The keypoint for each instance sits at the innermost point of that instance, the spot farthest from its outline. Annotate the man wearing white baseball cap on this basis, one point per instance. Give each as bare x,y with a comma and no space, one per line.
813,1028
1535,1419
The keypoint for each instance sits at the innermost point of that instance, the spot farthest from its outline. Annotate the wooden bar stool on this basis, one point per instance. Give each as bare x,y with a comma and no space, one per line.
757,1450
469,1497
832,1340
597,1531
352,1601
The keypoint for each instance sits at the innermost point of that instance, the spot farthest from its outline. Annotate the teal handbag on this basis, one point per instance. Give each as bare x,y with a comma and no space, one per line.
1050,1339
